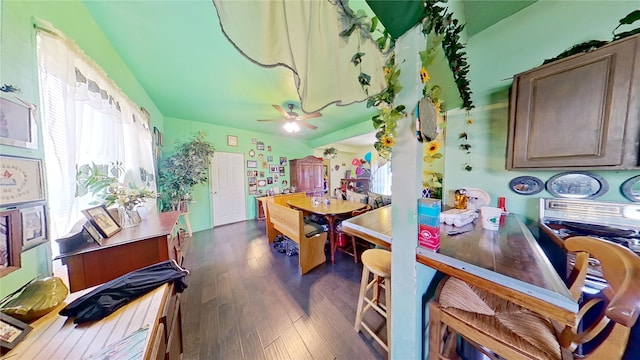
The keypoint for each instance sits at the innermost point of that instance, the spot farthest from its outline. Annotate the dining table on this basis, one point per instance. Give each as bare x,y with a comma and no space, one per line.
373,226
330,211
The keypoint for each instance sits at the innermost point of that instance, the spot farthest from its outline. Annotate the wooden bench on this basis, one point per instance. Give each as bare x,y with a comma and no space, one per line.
290,223
278,199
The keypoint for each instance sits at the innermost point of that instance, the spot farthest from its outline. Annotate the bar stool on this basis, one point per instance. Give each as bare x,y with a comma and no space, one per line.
378,263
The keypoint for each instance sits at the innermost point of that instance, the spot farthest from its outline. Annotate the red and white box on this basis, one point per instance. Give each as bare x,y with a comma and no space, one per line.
429,237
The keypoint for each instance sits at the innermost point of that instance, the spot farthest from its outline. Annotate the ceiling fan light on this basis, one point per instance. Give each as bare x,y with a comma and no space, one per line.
291,127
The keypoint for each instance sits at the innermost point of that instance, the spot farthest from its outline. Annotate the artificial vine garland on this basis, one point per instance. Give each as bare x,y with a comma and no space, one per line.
445,31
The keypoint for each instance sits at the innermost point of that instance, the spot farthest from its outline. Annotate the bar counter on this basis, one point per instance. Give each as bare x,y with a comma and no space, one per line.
507,262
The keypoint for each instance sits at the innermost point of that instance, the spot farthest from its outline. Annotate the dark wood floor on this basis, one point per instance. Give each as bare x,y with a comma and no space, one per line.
245,300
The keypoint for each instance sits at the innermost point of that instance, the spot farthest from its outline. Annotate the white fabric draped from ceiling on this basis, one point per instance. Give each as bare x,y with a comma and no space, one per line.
304,36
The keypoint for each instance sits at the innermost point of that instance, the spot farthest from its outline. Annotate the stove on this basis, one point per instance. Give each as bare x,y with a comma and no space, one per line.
563,218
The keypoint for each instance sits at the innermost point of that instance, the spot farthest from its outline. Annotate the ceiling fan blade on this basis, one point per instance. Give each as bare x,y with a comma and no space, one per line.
309,126
281,110
272,120
310,116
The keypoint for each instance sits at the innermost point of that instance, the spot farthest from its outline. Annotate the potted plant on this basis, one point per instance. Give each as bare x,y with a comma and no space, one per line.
330,153
178,173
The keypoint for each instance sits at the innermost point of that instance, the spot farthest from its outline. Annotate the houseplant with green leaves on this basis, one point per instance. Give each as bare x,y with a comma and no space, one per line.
179,173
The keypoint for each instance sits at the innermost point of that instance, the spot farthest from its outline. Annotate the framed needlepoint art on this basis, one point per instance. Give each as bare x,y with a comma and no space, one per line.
21,180
232,140
12,331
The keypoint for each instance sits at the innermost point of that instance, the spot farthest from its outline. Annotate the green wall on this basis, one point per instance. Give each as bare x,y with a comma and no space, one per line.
18,67
180,130
516,44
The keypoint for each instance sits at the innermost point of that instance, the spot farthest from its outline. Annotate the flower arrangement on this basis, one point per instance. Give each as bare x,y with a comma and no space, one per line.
102,182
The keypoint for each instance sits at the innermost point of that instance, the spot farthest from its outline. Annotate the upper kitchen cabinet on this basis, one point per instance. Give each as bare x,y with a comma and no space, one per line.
581,112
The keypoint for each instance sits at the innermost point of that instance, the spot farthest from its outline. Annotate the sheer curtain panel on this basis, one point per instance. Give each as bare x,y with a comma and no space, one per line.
86,119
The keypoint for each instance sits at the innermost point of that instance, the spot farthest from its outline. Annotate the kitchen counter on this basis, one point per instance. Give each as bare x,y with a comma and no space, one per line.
508,262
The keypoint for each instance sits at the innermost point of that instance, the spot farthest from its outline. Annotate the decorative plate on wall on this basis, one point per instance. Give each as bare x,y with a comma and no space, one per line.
577,185
526,185
631,188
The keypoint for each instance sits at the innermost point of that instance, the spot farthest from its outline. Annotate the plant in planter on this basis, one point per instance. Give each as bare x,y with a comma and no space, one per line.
330,153
178,173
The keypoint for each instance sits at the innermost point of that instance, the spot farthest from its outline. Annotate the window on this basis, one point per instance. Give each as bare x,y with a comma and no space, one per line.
381,180
86,119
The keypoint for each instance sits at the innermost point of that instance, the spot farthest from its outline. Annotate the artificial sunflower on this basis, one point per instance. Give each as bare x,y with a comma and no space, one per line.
387,71
433,147
470,121
388,141
424,75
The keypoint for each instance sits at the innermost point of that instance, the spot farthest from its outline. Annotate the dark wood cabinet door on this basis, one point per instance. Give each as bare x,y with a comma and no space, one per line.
307,175
578,112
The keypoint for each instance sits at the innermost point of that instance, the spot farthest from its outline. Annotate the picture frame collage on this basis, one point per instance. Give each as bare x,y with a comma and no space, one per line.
264,169
23,221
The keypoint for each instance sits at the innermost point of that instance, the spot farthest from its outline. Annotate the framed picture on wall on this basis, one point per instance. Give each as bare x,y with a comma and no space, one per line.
259,145
251,164
17,125
232,140
273,168
21,180
283,161
10,241
34,226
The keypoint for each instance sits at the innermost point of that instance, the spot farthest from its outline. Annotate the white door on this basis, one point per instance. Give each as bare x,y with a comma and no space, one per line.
227,188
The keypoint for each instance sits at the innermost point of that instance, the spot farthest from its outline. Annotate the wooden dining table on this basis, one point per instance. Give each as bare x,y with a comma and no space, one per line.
335,208
373,226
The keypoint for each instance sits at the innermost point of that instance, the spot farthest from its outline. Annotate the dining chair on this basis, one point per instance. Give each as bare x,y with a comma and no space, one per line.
497,327
351,246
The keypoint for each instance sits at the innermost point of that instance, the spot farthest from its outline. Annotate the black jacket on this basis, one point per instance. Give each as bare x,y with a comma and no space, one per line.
118,292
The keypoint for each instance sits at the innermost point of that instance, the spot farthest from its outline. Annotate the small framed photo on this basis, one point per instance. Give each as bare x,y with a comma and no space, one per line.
10,241
261,174
232,140
102,220
252,180
259,145
252,164
253,189
21,180
12,331
17,125
265,165
281,170
34,226
283,161
273,168
254,140
269,180
262,183
269,148
270,158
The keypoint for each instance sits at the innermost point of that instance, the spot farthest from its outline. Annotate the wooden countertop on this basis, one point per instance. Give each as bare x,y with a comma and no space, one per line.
373,226
155,225
508,262
57,337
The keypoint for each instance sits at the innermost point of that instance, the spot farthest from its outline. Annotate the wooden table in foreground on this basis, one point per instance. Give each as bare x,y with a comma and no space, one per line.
508,263
373,226
334,208
154,240
57,337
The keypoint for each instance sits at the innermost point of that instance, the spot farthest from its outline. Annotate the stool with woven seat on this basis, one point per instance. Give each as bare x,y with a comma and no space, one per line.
498,327
376,262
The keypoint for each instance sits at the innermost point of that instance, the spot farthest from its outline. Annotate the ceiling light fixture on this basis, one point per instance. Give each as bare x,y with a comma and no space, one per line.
291,127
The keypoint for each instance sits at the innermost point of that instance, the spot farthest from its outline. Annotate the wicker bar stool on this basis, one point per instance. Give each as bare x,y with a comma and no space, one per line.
376,262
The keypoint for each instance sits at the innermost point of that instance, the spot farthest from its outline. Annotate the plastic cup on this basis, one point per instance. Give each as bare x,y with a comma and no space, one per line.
490,217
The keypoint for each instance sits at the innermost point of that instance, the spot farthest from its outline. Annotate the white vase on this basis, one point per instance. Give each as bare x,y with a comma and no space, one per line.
128,217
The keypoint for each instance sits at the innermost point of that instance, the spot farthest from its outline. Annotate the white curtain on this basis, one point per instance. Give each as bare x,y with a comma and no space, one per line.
86,119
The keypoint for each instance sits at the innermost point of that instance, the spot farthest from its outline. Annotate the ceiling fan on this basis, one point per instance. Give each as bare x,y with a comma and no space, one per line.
293,120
